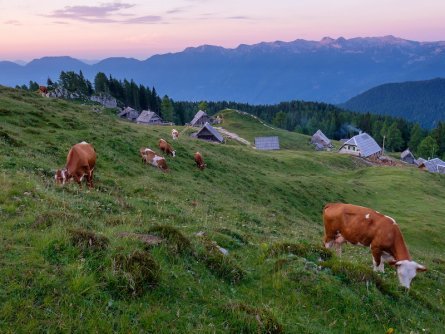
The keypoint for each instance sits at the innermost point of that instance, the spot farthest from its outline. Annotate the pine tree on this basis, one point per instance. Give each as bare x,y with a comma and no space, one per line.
167,109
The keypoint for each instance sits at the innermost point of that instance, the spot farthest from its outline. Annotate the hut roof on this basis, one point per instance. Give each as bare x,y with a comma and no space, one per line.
212,131
148,116
320,137
406,153
367,145
435,165
197,117
267,143
129,113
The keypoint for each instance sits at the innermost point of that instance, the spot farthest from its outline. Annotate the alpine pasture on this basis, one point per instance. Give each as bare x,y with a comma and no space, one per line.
141,252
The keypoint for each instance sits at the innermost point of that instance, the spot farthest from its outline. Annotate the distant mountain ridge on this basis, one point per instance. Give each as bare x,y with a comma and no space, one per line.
329,70
418,101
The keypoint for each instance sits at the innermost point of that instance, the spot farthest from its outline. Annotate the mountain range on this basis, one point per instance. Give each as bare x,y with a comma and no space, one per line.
418,101
329,70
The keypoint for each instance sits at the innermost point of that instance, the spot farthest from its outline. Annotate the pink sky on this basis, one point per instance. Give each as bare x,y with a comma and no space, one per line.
139,29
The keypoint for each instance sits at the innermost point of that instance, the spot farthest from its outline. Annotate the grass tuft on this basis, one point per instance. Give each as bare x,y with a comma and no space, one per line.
88,240
301,249
134,274
177,242
249,319
358,273
219,264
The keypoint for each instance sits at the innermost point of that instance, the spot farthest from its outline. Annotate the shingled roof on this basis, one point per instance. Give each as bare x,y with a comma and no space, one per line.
148,117
267,143
200,118
208,132
435,165
367,145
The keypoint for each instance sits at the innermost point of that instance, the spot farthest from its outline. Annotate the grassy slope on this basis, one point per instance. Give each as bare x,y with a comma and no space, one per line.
246,200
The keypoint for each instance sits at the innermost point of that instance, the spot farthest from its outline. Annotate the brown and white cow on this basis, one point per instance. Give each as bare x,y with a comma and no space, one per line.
166,147
43,90
175,134
80,162
366,227
150,157
199,161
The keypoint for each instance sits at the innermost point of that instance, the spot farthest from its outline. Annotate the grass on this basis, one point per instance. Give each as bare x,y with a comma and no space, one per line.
263,207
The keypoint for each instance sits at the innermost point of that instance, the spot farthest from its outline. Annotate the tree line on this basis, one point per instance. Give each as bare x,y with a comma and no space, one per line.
395,133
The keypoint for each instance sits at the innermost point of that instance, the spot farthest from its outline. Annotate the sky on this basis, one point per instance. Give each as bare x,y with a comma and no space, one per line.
94,30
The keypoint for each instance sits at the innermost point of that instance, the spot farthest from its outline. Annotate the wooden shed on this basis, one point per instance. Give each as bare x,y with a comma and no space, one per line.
267,143
149,117
361,145
408,157
129,113
200,119
208,132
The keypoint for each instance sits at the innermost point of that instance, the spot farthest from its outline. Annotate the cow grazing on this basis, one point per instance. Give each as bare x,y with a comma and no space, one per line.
166,147
150,157
43,90
175,134
366,227
199,161
80,162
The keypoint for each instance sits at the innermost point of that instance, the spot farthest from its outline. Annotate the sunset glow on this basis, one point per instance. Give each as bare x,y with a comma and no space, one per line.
139,29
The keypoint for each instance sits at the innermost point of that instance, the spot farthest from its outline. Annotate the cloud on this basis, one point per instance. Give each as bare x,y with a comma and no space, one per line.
13,22
90,13
104,13
240,17
143,19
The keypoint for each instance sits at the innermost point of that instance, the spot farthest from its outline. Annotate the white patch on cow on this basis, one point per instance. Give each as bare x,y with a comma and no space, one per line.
367,216
393,221
406,271
84,142
174,153
148,150
155,160
329,244
380,267
387,257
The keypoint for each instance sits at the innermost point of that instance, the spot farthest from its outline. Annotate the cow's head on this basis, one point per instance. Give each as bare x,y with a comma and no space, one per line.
61,176
202,166
407,270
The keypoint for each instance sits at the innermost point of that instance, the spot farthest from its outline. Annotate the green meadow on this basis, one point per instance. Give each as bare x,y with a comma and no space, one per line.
140,252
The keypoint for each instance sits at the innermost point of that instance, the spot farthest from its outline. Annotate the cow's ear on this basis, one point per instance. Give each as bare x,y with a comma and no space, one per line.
420,268
393,263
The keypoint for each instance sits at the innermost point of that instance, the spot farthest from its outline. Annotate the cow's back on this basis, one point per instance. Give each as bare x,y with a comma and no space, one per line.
81,155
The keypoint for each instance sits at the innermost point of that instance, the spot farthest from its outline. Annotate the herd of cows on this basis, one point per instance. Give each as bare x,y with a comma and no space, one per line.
343,223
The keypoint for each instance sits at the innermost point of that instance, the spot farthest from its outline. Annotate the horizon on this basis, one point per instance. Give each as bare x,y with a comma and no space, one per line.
82,29
88,61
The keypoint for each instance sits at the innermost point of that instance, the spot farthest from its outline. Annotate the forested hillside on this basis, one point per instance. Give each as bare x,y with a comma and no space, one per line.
417,101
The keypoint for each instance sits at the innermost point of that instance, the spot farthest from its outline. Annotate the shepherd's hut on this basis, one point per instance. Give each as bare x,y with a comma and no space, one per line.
208,132
361,145
320,141
148,117
200,119
408,157
129,113
435,165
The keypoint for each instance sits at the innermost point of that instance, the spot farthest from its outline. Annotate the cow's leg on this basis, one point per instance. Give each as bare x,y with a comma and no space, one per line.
90,178
377,259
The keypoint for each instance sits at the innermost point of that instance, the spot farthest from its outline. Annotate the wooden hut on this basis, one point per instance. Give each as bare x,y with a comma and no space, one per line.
361,145
408,157
200,119
208,132
149,117
320,141
435,165
129,113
